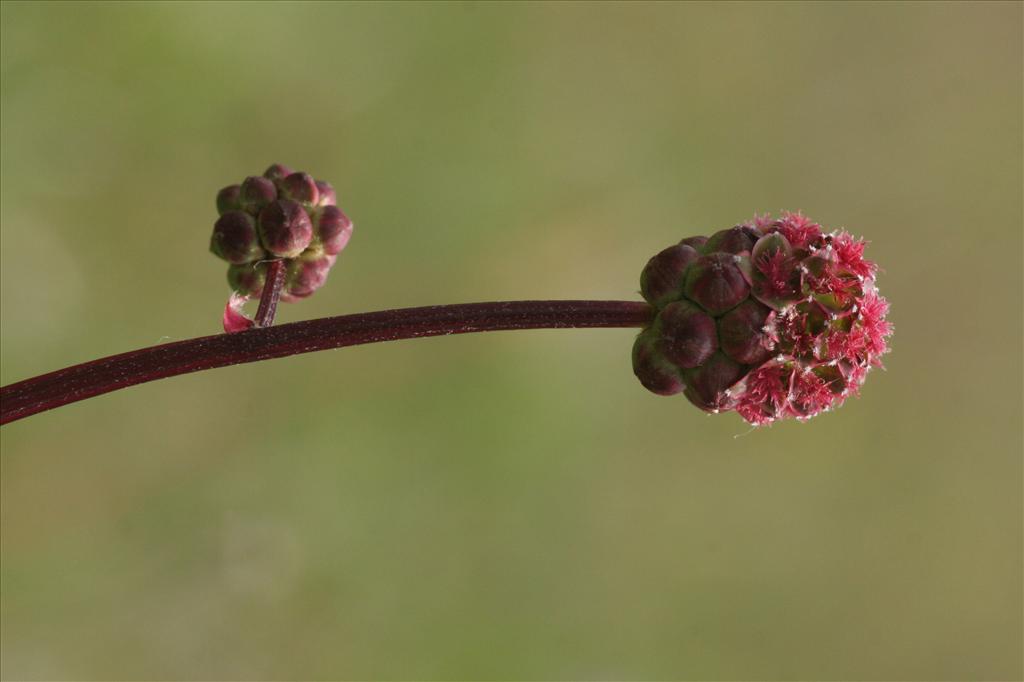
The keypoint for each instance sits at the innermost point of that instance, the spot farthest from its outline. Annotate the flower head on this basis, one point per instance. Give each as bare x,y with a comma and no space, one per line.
771,318
281,214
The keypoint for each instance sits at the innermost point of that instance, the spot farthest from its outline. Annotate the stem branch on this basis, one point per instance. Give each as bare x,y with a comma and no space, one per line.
271,293
47,391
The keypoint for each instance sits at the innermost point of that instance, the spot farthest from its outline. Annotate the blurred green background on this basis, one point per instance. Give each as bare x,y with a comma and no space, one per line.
511,505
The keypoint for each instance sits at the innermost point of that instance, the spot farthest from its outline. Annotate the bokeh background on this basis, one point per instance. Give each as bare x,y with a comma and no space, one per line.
511,505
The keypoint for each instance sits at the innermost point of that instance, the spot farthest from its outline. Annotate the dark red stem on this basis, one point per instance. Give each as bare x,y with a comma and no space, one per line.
271,293
89,379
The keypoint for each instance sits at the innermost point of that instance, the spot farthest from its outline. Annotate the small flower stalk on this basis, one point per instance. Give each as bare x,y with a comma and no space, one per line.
771,318
281,215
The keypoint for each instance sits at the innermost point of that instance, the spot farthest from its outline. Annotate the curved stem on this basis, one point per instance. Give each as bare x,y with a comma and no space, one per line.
47,391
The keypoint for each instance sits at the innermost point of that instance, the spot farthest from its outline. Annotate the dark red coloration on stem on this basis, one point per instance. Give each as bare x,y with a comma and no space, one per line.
271,293
45,392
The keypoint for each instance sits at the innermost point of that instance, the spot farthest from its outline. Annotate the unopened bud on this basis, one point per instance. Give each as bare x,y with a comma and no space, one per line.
248,278
734,240
654,372
229,199
234,238
743,335
716,282
306,275
256,193
285,228
687,335
706,385
277,172
661,281
327,194
334,229
301,188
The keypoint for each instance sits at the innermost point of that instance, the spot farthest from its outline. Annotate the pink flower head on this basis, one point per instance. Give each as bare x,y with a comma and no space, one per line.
795,343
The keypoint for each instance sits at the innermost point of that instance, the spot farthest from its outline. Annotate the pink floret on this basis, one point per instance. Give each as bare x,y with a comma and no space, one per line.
836,329
762,221
754,414
777,269
811,395
851,345
798,229
767,387
850,254
873,309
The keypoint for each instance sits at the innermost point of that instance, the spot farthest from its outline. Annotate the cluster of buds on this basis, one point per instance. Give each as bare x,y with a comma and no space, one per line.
771,318
279,215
